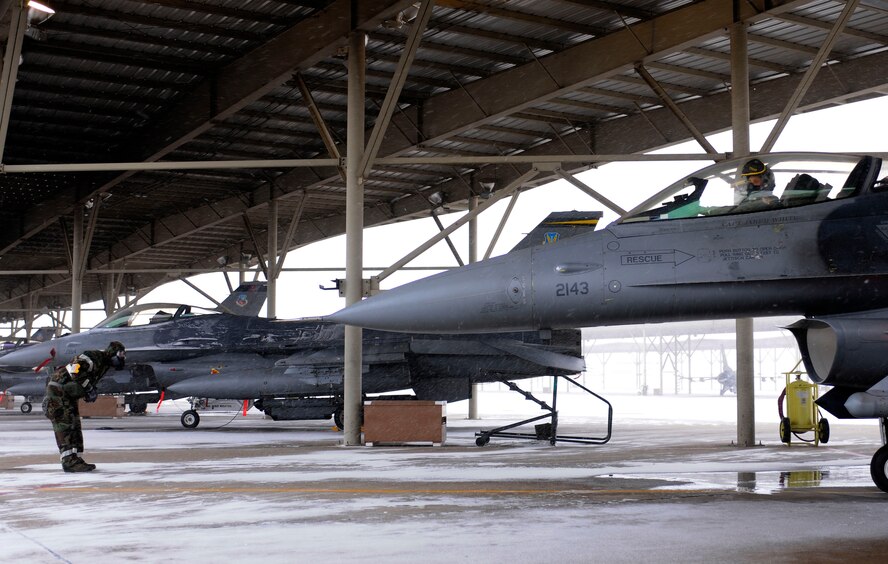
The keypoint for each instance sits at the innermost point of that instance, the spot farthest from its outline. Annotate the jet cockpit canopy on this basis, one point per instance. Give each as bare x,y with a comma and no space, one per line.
795,179
151,314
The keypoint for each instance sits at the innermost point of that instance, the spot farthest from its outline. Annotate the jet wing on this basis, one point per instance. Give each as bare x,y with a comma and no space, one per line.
539,356
371,354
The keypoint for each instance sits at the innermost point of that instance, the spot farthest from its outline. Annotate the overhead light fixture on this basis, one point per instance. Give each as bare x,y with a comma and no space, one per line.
38,13
436,198
403,18
487,187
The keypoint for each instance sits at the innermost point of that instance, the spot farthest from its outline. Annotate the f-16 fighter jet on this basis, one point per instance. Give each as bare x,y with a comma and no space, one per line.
778,234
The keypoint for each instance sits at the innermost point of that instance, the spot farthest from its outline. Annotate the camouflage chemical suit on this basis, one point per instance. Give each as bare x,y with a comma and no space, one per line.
78,379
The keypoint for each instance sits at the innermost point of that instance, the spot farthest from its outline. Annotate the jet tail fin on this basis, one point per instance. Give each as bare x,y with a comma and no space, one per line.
560,225
246,300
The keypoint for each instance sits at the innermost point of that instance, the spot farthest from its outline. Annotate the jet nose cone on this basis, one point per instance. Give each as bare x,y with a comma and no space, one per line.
379,312
26,357
492,295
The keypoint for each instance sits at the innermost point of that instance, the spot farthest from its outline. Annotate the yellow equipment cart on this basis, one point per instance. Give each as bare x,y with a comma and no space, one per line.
802,414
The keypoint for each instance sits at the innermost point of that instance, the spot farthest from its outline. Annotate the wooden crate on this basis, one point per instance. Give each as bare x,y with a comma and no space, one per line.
8,402
104,406
401,422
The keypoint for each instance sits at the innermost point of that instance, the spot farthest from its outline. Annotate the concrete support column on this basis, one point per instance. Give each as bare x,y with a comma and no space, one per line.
740,127
76,268
354,236
111,293
271,259
29,316
473,257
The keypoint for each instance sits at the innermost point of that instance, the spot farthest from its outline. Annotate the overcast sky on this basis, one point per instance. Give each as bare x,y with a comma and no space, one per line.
855,127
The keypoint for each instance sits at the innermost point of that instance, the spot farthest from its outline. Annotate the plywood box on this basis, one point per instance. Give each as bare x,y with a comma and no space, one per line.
405,422
8,402
104,406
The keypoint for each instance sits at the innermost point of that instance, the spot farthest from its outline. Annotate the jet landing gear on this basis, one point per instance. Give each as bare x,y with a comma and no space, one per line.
879,463
190,419
546,431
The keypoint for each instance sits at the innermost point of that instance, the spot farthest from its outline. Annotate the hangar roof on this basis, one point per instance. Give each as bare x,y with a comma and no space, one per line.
111,81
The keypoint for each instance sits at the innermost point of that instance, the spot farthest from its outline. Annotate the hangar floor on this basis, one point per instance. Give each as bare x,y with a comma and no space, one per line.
665,489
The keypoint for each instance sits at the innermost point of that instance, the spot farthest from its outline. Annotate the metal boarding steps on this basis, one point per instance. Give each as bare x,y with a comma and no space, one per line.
546,431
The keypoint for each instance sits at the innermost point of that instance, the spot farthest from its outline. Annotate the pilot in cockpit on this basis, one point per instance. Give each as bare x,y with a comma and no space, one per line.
759,178
759,183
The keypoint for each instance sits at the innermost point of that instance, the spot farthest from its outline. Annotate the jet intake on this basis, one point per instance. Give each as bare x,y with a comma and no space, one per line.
843,351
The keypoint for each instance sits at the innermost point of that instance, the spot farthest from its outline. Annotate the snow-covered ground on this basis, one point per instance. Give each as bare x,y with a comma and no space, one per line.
668,487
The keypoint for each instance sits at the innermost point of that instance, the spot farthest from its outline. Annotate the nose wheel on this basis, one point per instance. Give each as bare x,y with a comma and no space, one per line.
190,419
879,468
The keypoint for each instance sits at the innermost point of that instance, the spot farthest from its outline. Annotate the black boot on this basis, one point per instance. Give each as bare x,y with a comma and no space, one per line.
88,465
74,463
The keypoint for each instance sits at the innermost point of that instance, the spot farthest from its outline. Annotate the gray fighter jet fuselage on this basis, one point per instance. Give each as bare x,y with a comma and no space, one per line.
681,261
810,239
295,366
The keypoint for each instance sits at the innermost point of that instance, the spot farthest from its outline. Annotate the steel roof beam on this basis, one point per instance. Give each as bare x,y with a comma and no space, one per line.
429,44
810,74
141,38
589,191
615,7
219,10
720,56
399,78
675,109
852,79
508,190
237,85
121,56
680,88
17,24
781,44
498,36
553,75
156,23
320,124
678,69
849,31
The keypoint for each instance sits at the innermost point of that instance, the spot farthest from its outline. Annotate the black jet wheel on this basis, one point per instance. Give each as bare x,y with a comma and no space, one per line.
879,468
785,430
482,440
339,418
26,407
823,430
190,419
138,406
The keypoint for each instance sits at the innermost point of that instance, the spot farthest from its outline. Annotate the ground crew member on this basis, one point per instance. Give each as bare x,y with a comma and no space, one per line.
69,383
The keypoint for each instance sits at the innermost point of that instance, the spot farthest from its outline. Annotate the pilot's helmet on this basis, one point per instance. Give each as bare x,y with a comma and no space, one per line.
117,354
758,176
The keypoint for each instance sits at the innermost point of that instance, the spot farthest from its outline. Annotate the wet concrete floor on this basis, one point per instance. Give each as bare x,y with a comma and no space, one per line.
251,488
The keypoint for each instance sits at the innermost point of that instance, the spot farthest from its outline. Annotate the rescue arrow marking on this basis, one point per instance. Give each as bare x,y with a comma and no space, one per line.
674,257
